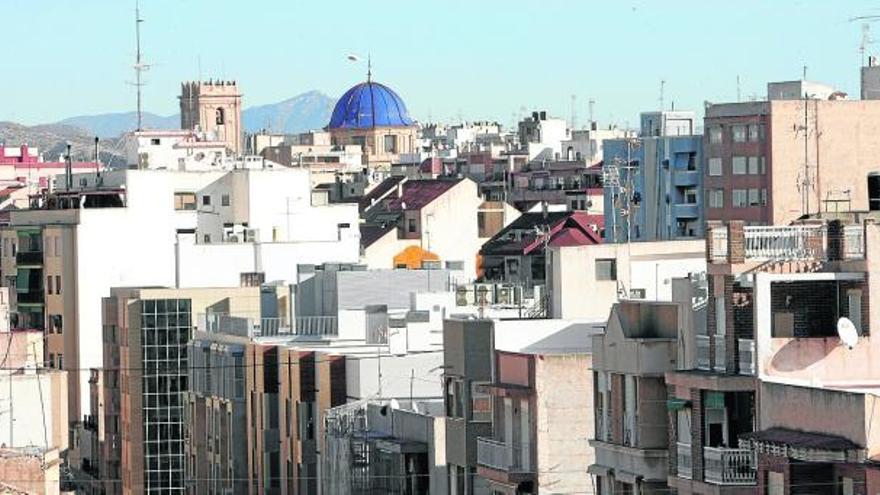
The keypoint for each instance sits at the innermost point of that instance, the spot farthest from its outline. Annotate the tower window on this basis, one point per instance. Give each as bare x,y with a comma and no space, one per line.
221,116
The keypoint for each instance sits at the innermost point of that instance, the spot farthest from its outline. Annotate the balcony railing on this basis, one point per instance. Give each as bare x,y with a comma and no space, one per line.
704,342
720,352
746,357
317,325
685,464
729,466
502,456
853,242
718,238
792,242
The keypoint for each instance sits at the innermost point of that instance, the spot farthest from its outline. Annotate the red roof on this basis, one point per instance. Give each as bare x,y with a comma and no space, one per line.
419,193
578,229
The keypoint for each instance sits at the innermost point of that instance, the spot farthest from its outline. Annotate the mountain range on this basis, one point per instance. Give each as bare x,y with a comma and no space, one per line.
310,110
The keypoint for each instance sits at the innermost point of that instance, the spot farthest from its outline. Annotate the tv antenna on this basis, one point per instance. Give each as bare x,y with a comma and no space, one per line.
866,41
662,90
139,65
573,112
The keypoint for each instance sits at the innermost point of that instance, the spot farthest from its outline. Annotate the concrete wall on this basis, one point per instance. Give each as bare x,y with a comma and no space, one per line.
564,421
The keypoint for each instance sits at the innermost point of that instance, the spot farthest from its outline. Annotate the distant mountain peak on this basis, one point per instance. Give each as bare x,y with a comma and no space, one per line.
306,111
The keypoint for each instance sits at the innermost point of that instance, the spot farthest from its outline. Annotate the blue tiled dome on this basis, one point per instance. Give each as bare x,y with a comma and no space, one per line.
369,104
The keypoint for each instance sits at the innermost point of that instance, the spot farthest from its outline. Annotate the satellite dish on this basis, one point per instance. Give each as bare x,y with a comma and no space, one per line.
847,332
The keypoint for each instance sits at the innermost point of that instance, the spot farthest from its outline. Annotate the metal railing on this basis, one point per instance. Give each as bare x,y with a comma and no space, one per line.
501,456
746,357
853,242
718,236
725,466
791,242
720,352
704,342
685,460
29,257
317,325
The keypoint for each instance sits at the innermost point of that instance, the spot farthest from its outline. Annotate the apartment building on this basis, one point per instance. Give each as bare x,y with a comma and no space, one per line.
655,182
146,380
771,162
517,404
186,229
639,345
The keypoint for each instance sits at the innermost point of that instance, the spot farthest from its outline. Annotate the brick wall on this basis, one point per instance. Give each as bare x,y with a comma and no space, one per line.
697,433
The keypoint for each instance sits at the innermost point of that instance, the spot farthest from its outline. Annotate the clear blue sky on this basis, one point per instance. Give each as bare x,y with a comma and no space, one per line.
469,58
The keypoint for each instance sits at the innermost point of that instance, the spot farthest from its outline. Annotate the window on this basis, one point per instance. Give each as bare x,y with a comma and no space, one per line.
481,404
739,133
206,200
184,201
692,161
206,238
740,198
716,198
56,324
58,284
58,245
390,144
220,116
753,132
775,483
757,165
155,141
51,360
60,361
738,165
454,398
715,134
224,200
763,197
754,197
690,195
846,485
606,269
48,284
511,267
715,167
411,225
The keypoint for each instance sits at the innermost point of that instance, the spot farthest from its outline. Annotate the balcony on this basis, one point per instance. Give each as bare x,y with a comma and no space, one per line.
29,258
501,456
33,296
725,466
704,342
746,357
685,462
684,178
793,242
686,210
789,243
603,433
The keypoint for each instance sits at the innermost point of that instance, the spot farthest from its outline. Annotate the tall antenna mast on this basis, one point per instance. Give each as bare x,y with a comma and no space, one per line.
573,112
139,65
738,90
662,88
592,104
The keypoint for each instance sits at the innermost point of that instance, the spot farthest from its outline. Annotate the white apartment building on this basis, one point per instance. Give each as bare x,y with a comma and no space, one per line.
158,228
542,136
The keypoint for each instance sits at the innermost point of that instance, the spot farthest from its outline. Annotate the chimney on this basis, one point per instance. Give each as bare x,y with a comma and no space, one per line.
535,116
68,169
543,115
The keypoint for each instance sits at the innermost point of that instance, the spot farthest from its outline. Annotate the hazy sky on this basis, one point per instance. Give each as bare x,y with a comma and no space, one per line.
469,58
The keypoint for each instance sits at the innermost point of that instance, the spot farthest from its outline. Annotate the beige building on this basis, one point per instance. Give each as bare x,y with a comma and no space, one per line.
144,390
213,107
770,162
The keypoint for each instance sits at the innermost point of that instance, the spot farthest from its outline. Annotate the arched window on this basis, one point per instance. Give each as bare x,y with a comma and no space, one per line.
221,116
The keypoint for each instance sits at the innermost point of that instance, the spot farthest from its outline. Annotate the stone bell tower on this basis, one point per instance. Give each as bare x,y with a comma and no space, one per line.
213,107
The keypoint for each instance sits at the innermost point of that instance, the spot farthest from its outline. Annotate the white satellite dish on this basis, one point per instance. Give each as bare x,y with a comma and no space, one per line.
848,333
